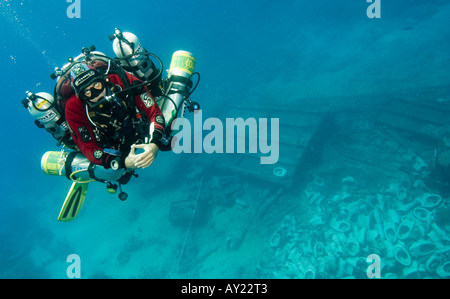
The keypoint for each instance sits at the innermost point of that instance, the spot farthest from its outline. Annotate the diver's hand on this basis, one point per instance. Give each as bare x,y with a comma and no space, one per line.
130,160
142,160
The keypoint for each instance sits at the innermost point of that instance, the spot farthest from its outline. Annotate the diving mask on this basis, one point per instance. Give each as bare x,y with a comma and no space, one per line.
93,91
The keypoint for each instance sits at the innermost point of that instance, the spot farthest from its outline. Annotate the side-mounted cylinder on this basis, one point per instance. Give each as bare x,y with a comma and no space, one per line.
75,166
179,84
134,58
42,107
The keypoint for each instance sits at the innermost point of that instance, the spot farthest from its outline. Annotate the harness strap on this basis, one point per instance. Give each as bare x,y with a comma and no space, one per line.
92,174
68,165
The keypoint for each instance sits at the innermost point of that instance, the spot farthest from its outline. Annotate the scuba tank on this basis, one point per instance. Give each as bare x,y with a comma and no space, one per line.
76,167
178,86
87,54
133,57
176,89
42,107
48,110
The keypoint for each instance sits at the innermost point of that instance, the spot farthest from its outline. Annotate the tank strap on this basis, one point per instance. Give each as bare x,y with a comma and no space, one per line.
91,168
68,164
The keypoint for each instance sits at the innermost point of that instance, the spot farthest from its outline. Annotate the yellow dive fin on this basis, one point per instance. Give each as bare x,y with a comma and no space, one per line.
74,201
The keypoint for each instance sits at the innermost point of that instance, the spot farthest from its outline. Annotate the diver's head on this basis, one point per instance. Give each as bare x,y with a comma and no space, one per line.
94,93
89,83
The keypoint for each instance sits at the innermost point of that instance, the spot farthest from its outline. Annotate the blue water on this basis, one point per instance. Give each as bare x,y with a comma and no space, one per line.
255,52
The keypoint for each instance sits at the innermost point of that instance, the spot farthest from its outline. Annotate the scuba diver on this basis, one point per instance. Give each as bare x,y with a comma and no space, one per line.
104,110
101,118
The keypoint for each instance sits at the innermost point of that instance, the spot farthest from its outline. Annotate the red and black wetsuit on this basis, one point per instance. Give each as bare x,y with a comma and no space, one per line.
83,130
